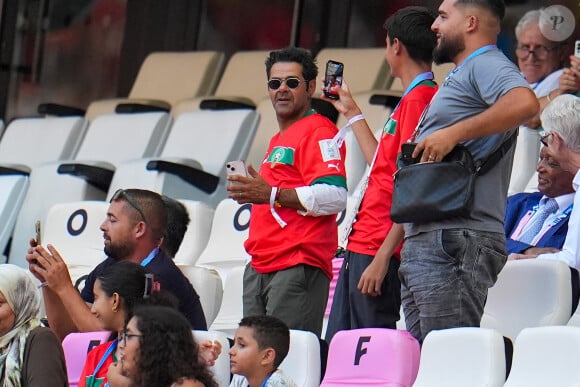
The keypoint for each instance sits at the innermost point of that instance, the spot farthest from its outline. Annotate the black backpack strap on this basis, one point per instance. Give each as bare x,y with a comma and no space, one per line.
493,159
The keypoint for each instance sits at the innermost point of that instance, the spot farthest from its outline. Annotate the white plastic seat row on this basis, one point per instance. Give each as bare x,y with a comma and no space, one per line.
26,144
191,155
191,164
109,140
166,78
474,357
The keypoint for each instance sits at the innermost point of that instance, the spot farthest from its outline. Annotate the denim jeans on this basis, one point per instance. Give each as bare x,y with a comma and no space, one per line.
445,275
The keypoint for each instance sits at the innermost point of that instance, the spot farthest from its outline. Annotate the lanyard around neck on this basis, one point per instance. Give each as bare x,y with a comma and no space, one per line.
428,75
150,257
108,353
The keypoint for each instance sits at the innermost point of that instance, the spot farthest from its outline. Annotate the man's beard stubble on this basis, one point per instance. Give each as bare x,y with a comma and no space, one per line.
117,252
448,48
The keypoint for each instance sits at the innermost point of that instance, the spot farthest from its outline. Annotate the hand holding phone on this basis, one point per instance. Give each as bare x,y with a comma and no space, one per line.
332,77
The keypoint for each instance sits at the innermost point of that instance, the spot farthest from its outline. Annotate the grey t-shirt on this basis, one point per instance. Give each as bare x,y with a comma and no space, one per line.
474,87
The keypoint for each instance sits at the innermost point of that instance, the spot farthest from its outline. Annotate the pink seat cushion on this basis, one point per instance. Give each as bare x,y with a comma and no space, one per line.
76,346
372,356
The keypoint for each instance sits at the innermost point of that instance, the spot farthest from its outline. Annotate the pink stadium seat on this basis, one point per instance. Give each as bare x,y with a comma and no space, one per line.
76,346
372,357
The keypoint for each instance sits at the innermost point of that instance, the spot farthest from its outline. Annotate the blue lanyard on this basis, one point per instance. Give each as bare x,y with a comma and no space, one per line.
150,257
428,75
266,380
108,353
475,53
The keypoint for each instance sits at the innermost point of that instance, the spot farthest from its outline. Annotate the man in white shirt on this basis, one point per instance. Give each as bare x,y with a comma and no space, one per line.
561,123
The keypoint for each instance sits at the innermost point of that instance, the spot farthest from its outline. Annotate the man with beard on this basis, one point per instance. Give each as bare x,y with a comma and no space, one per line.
448,265
133,231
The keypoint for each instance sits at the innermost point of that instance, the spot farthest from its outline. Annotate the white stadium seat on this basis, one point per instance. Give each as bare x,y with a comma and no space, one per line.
529,293
461,357
192,162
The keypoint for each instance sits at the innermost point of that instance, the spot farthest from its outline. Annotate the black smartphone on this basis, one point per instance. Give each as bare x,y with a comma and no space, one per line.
407,158
332,77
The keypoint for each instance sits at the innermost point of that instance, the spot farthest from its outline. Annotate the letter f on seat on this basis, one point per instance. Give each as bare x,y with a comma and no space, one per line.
360,351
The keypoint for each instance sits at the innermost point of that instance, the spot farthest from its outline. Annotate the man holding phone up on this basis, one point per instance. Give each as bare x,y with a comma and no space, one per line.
297,194
368,290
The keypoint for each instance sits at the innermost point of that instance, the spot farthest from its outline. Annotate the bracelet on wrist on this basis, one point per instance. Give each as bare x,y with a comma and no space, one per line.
277,198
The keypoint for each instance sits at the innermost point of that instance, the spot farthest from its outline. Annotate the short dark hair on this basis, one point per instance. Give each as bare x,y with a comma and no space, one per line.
296,55
129,280
496,7
167,351
269,332
412,26
177,222
151,206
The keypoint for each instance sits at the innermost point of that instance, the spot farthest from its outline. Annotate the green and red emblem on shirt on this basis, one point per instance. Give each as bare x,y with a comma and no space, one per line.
281,155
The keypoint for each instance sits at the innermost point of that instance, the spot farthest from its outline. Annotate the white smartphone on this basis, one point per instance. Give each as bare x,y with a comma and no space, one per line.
577,49
237,167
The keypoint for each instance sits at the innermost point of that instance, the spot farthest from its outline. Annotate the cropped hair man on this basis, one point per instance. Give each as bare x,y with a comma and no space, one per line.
132,230
448,265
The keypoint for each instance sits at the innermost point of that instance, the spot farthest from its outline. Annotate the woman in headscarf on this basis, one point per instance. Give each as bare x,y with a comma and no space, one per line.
30,355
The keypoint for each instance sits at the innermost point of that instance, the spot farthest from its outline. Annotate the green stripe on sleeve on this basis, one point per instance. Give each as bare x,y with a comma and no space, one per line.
338,181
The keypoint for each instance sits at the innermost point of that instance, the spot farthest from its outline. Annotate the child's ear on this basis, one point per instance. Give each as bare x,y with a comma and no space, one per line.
268,356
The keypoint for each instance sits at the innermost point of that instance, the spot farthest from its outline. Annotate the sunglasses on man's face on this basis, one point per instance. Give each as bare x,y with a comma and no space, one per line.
126,196
291,82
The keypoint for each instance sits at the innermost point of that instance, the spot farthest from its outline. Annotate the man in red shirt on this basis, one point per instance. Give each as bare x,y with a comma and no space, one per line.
296,195
368,291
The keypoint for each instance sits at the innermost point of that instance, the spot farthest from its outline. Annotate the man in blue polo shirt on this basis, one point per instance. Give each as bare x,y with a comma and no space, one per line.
133,230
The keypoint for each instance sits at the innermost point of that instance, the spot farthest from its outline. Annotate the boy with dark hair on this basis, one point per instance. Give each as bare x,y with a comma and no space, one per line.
177,221
368,292
260,345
